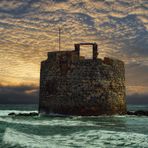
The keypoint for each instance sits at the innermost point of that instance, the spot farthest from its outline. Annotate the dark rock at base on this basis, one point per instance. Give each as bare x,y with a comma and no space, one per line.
23,114
138,113
11,114
130,113
28,114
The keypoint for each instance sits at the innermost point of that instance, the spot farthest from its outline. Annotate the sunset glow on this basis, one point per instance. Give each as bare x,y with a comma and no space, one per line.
29,29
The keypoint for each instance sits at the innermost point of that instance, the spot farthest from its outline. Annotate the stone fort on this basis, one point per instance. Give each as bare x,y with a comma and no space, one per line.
73,85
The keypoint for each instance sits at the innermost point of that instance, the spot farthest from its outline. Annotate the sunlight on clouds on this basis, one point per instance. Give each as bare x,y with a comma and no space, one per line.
29,29
9,5
136,90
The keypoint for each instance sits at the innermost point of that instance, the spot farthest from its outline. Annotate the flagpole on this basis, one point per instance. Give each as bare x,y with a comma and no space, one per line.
59,38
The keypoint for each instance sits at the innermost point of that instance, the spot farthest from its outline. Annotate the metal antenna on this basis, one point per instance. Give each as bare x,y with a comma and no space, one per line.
59,38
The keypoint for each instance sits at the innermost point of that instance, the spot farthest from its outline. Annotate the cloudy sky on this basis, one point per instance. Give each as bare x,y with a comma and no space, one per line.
29,29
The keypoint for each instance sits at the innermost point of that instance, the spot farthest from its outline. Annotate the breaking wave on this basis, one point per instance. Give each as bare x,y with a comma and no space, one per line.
90,138
49,132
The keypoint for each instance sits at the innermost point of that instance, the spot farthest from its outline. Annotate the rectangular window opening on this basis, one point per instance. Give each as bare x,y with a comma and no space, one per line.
86,52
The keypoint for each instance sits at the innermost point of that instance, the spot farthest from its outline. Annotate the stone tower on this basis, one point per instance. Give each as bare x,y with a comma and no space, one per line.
73,85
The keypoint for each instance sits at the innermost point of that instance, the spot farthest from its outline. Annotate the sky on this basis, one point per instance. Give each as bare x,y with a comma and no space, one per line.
29,29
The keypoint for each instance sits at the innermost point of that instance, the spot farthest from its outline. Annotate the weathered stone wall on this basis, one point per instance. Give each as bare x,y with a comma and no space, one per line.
76,86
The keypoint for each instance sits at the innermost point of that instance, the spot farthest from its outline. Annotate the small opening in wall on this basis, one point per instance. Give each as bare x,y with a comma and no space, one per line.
86,52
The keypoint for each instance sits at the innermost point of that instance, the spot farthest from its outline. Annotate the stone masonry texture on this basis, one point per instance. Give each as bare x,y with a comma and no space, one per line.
73,85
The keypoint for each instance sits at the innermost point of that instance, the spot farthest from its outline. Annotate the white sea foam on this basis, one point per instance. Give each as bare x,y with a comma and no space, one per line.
6,112
48,121
89,138
50,132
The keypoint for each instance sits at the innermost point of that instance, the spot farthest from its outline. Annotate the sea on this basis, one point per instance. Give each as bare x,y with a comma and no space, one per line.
72,131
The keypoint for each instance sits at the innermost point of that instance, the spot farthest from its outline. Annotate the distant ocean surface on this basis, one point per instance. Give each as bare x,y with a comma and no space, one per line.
66,132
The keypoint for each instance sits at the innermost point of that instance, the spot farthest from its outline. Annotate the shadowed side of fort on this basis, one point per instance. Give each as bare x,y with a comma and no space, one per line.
73,85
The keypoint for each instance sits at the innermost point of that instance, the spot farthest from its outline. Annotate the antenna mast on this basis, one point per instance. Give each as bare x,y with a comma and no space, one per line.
59,38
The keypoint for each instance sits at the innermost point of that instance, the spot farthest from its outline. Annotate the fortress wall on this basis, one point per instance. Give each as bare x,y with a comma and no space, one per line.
69,85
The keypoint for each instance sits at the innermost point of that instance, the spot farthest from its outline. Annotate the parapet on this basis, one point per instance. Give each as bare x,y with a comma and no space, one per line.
74,55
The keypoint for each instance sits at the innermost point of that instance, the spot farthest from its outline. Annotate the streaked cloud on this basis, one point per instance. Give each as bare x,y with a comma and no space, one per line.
18,94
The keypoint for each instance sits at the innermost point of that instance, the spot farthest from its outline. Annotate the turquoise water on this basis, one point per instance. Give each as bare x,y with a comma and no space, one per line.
53,132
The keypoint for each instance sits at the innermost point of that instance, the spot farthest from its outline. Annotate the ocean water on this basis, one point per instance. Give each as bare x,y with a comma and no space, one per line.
67,132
